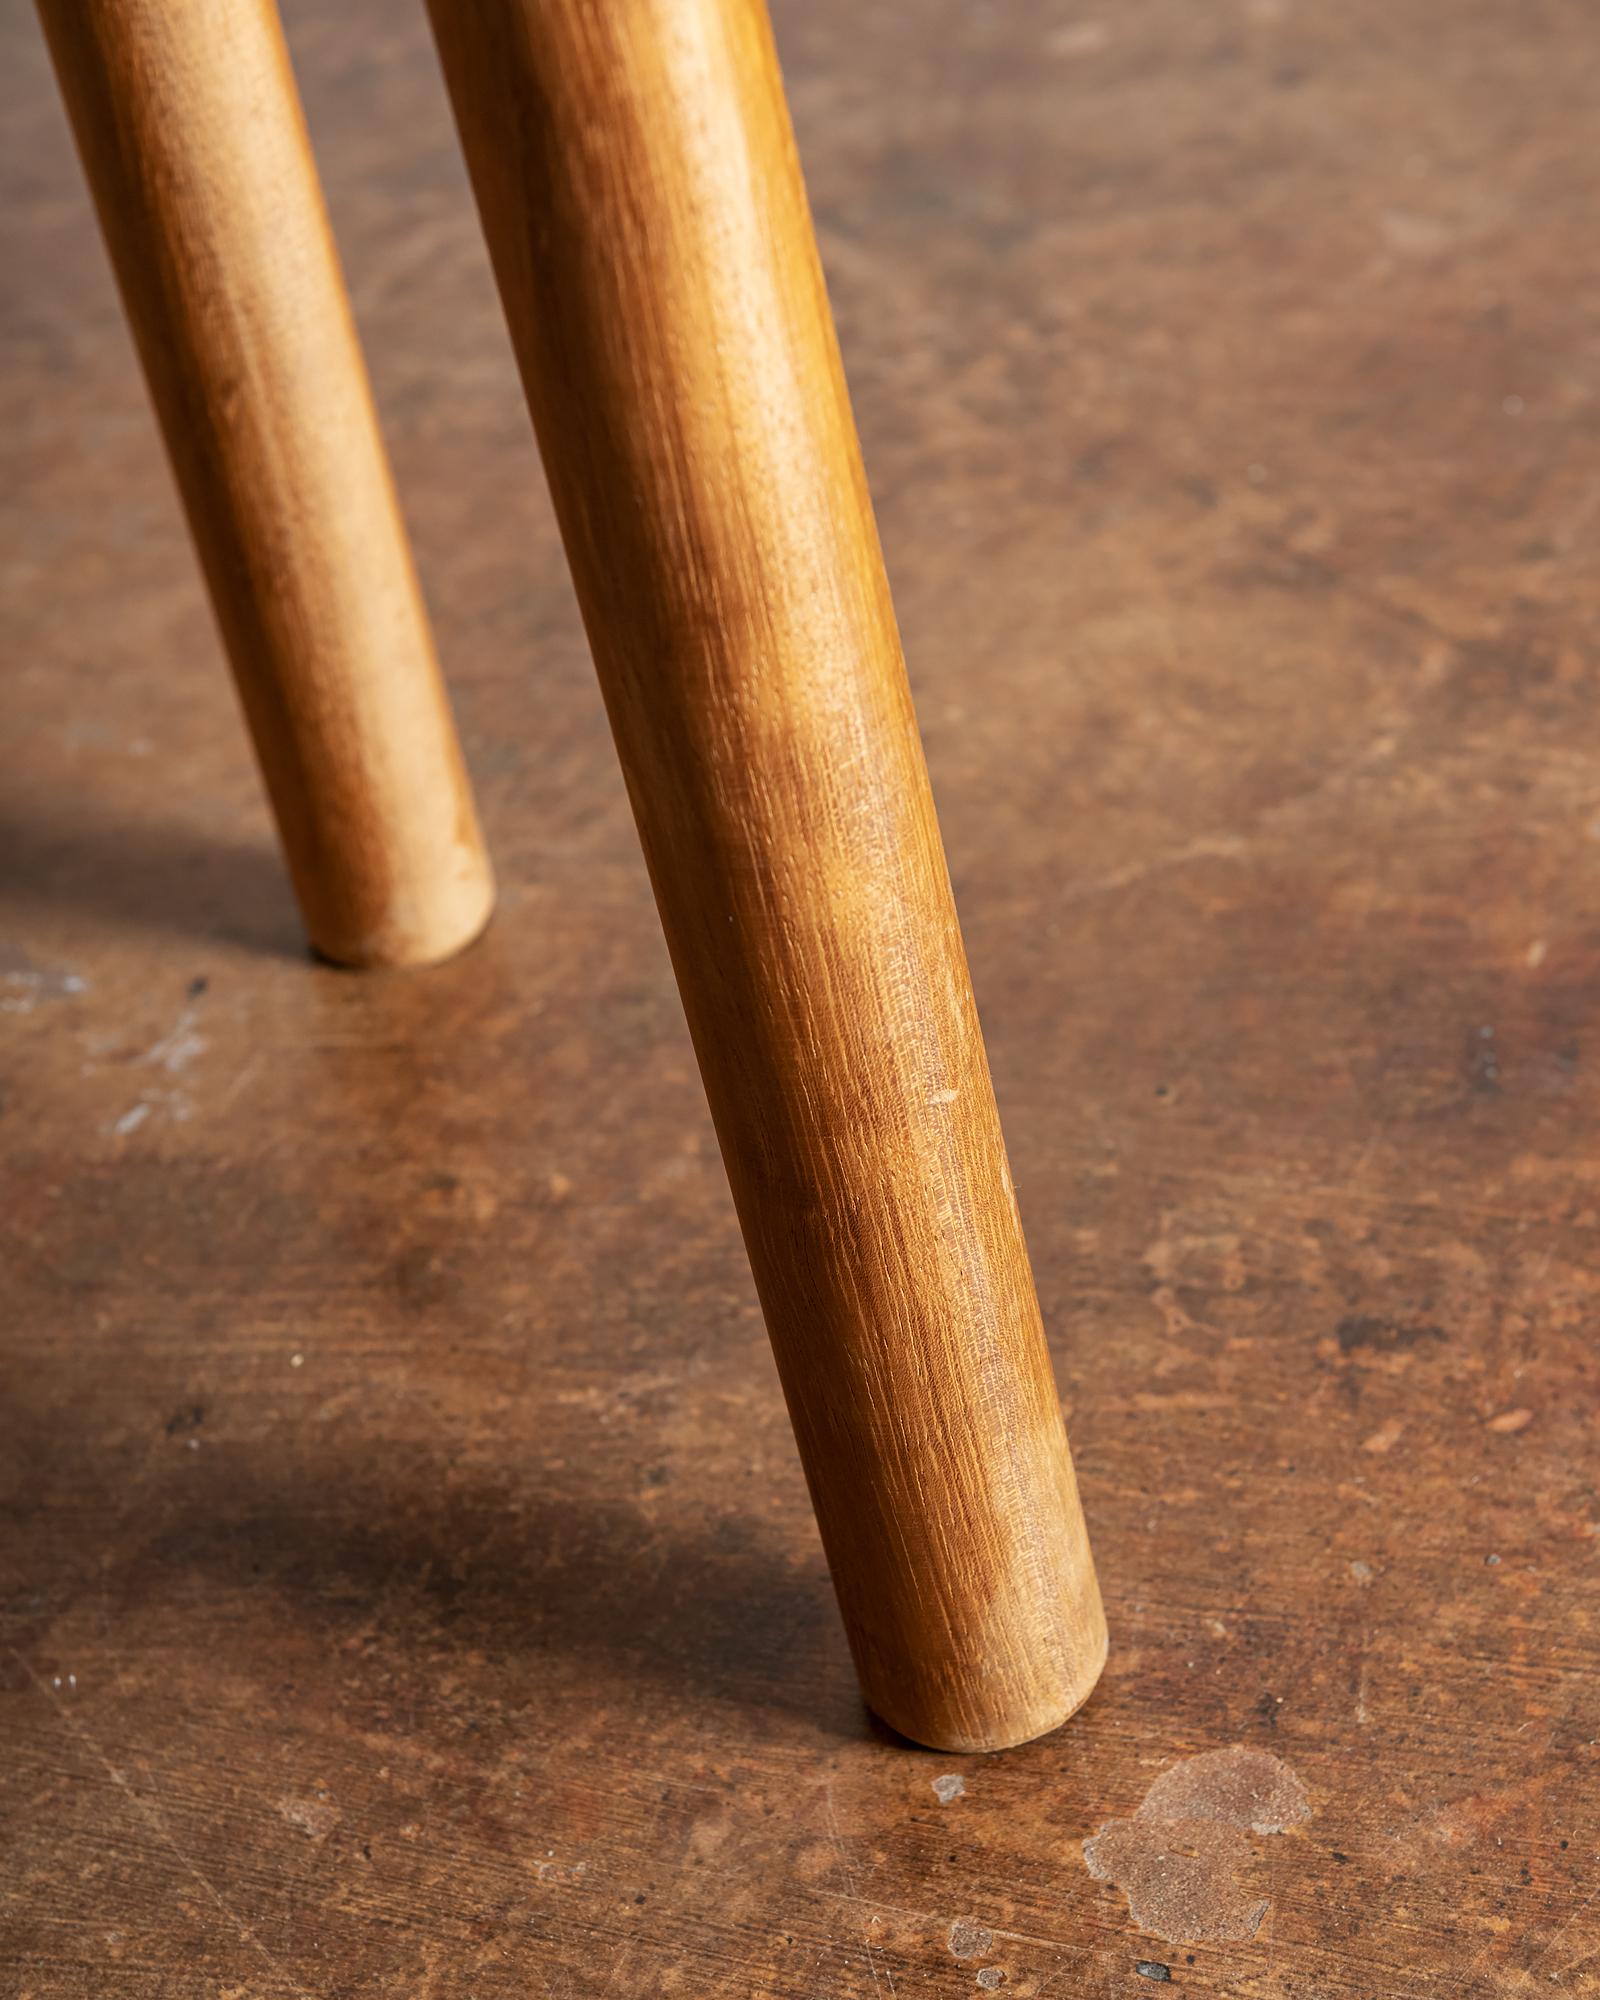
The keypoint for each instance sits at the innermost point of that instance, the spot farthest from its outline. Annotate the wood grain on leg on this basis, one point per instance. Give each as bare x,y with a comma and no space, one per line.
644,208
192,137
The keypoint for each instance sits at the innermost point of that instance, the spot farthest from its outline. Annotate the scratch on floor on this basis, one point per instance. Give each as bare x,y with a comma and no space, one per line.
1480,1957
248,1073
1559,1934
1205,847
152,1817
1237,844
849,1875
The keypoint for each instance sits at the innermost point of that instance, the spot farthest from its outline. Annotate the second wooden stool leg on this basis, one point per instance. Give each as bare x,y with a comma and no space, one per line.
191,134
644,209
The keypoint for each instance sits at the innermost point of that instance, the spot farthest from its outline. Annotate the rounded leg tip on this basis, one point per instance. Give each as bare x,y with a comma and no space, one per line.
414,938
957,1729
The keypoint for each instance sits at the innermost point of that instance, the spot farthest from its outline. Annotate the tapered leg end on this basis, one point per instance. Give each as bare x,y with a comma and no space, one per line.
413,932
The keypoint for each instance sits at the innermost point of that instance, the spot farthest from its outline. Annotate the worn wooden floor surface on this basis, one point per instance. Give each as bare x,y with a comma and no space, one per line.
407,1586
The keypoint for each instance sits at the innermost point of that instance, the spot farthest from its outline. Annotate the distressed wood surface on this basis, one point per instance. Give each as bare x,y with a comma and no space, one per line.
644,210
395,1474
194,144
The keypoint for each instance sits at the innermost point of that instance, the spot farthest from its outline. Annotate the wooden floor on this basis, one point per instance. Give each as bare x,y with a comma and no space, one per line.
407,1586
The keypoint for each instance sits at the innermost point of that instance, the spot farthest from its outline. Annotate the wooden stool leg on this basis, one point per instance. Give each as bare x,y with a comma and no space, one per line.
195,148
644,209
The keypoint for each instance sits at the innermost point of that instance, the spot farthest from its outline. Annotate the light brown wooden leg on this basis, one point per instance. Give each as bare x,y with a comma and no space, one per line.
192,137
644,208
